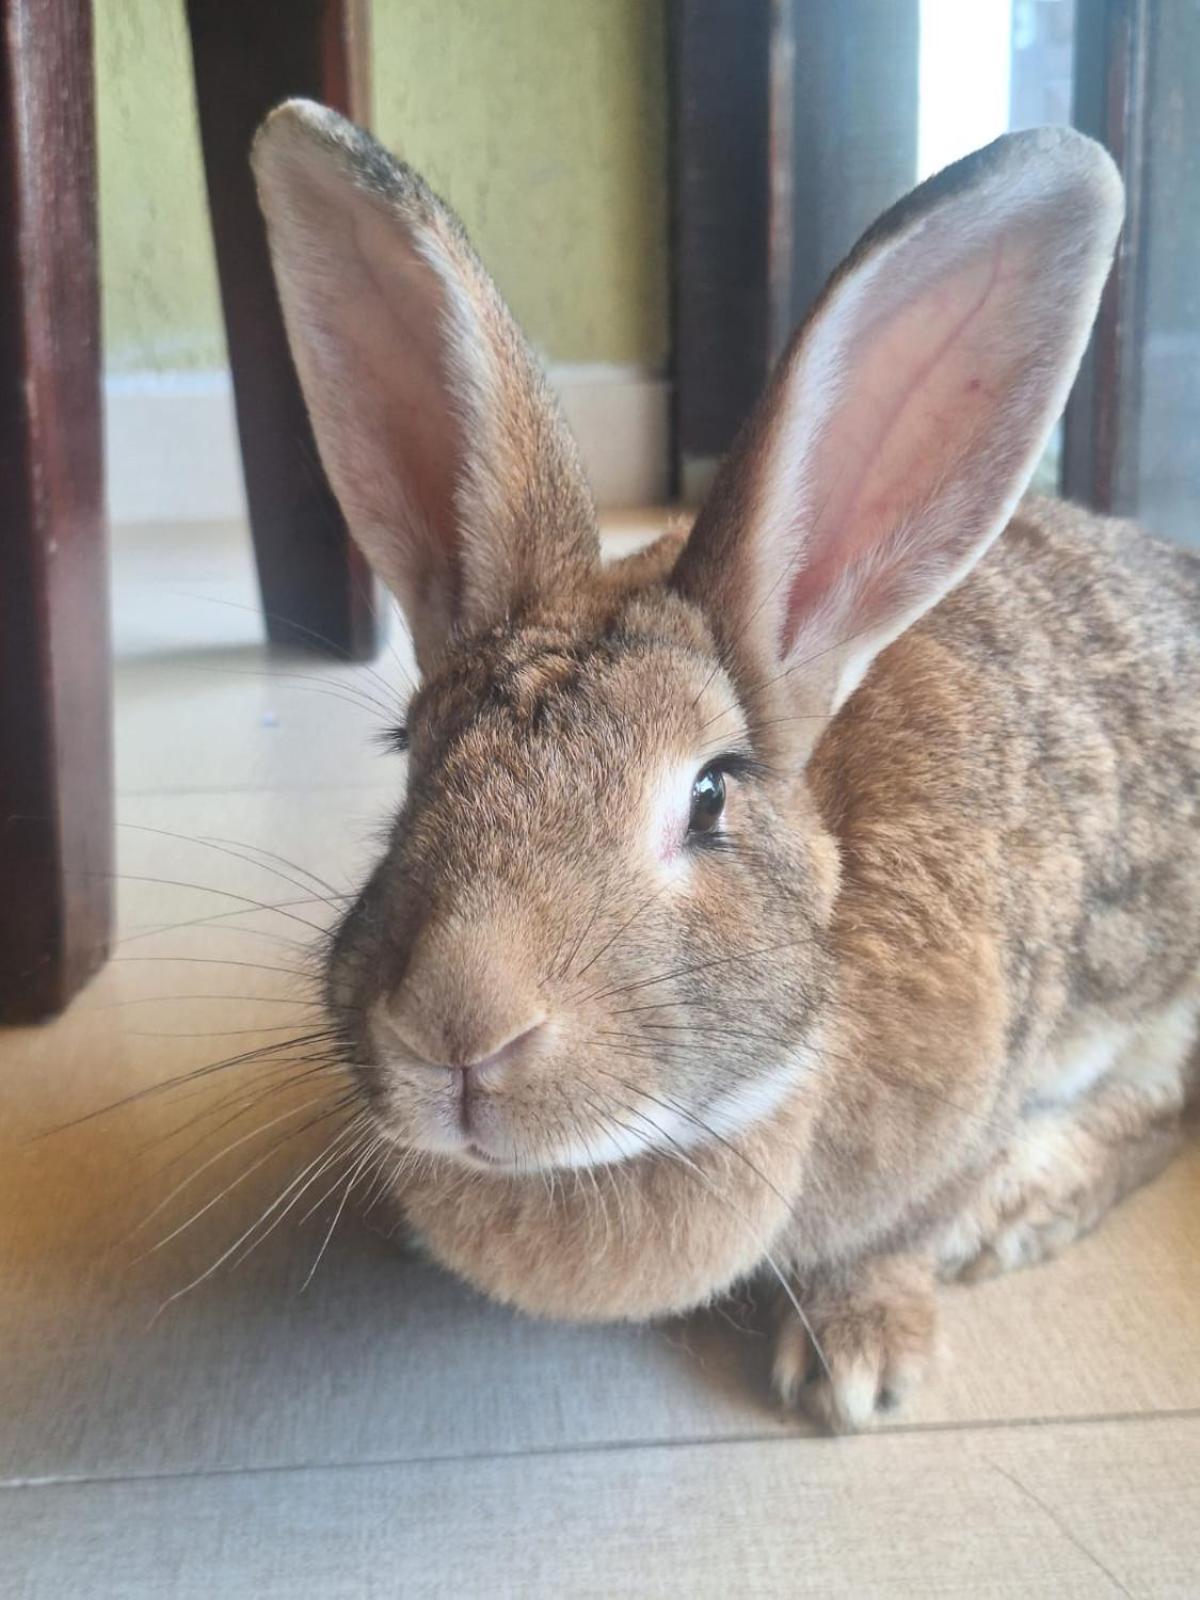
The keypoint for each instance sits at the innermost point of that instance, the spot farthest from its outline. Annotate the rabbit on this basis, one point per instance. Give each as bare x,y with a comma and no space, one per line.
813,895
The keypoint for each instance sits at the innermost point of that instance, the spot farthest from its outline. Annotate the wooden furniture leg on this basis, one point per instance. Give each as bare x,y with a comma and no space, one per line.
722,97
247,56
1112,104
56,825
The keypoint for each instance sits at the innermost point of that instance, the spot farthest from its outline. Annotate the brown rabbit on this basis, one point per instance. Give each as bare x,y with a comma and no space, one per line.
818,894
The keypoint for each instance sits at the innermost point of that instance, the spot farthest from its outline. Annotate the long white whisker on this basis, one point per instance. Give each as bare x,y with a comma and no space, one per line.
187,1182
321,1162
332,1155
337,1216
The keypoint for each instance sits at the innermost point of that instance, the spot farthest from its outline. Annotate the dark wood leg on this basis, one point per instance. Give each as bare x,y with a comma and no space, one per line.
247,56
1112,104
795,124
56,824
853,128
722,100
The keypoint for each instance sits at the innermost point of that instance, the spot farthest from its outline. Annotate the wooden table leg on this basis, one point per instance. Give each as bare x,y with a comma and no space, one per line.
247,56
1112,103
56,825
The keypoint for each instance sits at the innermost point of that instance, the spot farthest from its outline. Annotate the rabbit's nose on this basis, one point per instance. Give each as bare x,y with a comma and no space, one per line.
467,997
452,1049
487,1065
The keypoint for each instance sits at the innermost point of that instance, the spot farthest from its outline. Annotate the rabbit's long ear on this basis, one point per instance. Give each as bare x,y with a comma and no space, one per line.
450,460
905,419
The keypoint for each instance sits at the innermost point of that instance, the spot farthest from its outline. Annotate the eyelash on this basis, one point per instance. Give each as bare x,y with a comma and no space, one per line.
735,764
730,764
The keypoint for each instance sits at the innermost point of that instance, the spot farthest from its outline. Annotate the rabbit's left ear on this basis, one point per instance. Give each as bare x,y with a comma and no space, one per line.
452,465
904,421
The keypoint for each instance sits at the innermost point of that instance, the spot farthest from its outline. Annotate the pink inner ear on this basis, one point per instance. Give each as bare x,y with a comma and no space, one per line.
912,401
409,454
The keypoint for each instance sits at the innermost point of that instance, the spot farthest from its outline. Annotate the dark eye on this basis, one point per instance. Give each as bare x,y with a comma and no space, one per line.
708,801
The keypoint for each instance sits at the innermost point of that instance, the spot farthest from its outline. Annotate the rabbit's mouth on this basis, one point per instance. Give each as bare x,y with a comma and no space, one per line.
488,1130
558,1090
478,1153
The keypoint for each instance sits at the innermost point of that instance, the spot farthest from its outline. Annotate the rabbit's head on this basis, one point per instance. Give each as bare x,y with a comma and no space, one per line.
598,929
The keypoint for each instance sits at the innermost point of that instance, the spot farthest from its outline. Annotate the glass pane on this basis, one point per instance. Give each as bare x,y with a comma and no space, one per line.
1165,444
890,91
987,68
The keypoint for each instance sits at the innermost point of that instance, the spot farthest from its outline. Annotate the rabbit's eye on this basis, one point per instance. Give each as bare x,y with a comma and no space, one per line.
708,801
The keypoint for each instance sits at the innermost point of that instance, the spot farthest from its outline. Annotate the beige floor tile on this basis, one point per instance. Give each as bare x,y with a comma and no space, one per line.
238,718
202,705
182,587
1061,1512
382,1357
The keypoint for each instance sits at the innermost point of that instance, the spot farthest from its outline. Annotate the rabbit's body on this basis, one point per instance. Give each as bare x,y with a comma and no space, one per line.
1018,937
1011,1025
1019,829
818,894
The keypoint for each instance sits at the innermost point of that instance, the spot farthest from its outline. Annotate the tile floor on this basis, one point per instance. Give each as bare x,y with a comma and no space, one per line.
380,1430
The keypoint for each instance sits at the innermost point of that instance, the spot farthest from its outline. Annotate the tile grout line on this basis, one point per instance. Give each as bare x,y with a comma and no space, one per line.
784,1435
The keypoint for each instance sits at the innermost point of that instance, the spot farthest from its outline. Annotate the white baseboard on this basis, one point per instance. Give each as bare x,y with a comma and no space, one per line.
621,417
172,452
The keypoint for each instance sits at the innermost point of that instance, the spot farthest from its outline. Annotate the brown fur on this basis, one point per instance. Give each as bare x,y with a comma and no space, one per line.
973,899
926,1013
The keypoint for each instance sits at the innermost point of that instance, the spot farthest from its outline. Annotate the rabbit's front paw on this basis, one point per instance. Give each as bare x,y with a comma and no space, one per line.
864,1339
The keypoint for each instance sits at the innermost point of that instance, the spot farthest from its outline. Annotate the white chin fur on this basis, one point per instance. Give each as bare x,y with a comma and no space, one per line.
653,1125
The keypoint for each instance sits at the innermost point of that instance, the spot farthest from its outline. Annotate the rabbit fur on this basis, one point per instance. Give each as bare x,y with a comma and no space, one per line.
922,1004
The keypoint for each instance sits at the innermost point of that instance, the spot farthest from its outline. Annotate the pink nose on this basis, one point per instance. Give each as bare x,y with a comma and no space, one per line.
432,1052
502,1053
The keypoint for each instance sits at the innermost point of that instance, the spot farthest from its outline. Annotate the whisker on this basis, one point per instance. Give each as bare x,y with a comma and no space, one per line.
327,1156
212,1160
683,972
273,855
225,916
608,944
578,945
204,1033
721,1033
661,1005
180,999
248,1172
384,1180
247,901
167,1085
337,1216
304,683
309,633
236,851
754,1233
332,1155
349,1157
224,961
264,1093
276,1077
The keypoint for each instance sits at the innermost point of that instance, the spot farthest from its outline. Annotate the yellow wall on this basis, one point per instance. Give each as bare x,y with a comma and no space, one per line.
159,281
542,121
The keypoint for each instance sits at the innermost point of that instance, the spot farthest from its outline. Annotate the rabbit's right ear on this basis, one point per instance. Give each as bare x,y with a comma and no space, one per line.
452,465
903,423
